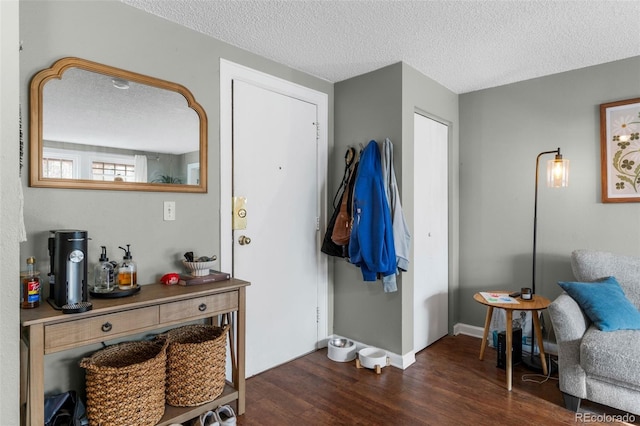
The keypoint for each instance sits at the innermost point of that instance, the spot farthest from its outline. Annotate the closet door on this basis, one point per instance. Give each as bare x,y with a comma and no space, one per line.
430,233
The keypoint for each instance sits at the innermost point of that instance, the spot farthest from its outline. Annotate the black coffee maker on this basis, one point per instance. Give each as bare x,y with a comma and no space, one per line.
68,279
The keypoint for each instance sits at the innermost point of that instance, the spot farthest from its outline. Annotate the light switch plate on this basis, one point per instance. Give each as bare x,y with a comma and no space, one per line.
169,210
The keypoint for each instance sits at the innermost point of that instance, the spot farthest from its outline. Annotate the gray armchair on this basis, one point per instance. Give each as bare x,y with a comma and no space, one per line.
600,366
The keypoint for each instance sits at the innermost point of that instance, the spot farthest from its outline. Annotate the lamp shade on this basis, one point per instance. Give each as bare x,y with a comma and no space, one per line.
558,172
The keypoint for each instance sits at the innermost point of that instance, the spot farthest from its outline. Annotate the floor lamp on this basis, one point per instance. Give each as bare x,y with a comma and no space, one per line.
557,177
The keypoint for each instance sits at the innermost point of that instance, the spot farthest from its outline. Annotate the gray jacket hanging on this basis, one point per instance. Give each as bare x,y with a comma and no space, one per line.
401,234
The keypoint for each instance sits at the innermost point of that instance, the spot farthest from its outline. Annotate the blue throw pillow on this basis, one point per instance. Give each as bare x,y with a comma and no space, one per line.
605,304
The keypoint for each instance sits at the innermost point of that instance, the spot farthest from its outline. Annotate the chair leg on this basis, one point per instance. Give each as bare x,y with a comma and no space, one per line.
571,402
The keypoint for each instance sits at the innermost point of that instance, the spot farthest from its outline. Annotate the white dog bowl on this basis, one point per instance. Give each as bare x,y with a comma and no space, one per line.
341,350
372,357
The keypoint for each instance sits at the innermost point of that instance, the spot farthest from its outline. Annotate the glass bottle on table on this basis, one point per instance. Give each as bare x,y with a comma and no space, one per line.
30,286
127,271
103,274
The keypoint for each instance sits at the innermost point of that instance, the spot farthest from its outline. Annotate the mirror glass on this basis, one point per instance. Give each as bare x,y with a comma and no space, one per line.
99,127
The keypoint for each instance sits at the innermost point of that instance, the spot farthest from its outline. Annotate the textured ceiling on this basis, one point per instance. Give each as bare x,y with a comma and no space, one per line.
463,45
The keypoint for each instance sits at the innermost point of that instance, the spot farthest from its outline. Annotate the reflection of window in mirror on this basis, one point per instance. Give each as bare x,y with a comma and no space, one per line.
193,173
117,172
57,168
62,163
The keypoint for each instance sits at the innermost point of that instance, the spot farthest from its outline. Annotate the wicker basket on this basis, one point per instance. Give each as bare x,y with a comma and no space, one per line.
125,384
196,369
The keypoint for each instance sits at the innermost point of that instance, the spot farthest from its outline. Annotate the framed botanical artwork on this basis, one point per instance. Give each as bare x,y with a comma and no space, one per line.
620,151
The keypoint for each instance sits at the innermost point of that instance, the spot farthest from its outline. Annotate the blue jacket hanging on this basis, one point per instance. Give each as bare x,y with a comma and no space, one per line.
371,245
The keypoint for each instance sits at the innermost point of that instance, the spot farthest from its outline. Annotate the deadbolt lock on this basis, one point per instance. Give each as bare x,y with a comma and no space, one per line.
239,213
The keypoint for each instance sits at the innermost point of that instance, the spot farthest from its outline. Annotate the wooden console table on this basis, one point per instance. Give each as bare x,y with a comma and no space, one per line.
45,330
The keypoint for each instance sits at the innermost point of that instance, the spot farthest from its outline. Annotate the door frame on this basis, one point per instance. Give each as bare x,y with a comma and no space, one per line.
230,71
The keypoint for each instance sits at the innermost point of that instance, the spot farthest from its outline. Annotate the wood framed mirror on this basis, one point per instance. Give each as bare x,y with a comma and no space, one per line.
93,126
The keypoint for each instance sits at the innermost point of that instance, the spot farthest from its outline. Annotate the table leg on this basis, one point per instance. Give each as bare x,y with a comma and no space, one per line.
487,322
240,343
538,330
509,347
35,376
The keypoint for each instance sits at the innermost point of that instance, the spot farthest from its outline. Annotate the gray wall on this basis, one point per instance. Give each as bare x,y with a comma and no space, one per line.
503,129
366,107
377,105
118,35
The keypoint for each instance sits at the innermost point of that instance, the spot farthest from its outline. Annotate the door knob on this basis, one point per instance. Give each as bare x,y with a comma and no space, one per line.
244,240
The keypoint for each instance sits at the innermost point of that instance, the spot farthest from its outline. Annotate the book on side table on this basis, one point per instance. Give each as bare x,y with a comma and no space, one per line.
204,279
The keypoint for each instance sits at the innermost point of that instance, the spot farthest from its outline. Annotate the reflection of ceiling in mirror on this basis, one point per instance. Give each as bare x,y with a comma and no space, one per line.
86,108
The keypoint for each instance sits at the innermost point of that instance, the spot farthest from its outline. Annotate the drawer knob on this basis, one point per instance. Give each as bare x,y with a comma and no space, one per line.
106,327
202,307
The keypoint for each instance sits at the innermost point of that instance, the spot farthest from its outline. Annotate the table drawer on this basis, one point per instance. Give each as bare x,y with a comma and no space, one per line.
200,307
98,329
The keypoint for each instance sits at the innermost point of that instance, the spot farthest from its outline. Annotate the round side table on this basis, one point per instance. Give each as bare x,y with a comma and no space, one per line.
537,303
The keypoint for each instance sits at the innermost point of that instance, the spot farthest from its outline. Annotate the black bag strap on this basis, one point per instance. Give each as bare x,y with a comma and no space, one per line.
328,246
349,160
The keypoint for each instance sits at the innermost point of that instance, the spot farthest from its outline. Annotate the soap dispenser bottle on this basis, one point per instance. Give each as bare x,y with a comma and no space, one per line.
127,271
103,274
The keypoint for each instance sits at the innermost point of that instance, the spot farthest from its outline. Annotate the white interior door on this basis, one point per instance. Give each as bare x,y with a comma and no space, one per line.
275,168
431,265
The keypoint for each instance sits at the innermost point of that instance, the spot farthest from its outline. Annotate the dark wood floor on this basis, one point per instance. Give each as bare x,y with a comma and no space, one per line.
447,385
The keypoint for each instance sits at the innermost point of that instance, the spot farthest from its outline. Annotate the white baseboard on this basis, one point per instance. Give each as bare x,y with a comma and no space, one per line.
468,330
